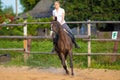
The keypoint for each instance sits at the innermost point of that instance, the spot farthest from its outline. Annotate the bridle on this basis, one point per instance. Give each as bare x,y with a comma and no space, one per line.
52,31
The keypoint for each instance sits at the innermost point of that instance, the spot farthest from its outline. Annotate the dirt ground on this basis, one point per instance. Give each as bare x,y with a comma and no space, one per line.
26,73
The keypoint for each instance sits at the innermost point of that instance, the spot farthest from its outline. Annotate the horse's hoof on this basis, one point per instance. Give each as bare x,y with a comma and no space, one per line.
72,74
67,72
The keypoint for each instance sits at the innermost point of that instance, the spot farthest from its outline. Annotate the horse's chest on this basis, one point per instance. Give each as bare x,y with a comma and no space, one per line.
62,46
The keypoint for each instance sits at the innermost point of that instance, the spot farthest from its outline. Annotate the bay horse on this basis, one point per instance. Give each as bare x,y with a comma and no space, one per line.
63,45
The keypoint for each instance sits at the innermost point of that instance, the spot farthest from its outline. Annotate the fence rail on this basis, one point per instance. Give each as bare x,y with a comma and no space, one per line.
24,37
80,54
11,49
70,22
102,39
36,37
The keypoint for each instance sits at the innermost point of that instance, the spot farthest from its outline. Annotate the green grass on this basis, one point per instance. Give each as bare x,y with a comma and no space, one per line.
16,59
43,60
105,62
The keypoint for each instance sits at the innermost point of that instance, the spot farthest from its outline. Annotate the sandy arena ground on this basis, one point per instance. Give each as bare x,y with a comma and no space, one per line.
25,73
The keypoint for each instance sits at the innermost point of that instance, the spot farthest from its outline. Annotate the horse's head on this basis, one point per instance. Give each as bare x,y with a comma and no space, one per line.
55,26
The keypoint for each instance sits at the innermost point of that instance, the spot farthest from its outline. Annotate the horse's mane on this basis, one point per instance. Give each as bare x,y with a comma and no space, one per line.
60,29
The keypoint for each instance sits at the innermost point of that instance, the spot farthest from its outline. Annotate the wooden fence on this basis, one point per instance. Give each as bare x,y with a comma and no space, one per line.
26,38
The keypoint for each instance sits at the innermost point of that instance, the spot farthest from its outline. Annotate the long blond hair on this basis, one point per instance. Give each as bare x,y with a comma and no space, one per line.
57,2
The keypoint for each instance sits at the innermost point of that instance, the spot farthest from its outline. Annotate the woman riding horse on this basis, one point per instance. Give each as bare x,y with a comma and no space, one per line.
59,14
62,45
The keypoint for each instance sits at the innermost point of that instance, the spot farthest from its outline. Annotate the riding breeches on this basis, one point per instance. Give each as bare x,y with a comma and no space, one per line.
66,27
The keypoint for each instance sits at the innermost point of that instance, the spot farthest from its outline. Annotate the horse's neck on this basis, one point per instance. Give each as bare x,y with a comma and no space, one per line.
61,34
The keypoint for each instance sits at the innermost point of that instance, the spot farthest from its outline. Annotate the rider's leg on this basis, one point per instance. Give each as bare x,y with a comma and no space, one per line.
66,27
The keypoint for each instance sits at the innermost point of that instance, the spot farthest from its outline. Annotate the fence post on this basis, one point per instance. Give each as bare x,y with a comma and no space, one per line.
78,29
89,43
115,50
29,41
25,41
46,31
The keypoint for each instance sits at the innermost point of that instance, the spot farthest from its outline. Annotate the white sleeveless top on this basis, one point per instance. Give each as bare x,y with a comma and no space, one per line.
58,14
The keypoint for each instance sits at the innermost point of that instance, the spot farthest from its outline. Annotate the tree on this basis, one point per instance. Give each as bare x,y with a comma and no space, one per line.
91,9
28,4
77,10
0,6
8,10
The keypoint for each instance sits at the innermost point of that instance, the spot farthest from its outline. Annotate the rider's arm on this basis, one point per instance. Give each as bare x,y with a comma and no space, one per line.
63,16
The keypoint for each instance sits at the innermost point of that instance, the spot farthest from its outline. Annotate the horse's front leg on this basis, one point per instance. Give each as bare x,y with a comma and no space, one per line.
71,62
64,63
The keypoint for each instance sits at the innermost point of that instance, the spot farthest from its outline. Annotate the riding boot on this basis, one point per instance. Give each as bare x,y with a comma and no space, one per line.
53,49
55,39
73,40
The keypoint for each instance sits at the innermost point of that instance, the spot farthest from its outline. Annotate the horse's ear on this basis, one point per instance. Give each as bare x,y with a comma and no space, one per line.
55,18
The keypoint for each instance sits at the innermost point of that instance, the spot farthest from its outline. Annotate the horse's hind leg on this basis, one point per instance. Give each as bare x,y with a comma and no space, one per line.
64,64
66,59
71,62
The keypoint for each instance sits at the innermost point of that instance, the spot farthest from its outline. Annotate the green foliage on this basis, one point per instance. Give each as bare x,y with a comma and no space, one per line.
11,43
77,10
10,31
42,45
6,16
32,28
91,9
6,13
0,6
105,62
28,4
8,10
